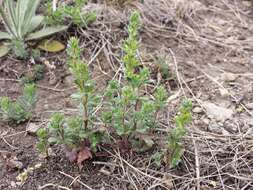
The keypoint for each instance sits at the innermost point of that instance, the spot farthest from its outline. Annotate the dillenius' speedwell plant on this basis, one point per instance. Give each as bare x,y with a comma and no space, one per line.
21,24
128,110
173,151
36,74
20,110
78,133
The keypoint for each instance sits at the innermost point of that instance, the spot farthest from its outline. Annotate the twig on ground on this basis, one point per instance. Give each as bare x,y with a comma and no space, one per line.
53,185
196,163
77,180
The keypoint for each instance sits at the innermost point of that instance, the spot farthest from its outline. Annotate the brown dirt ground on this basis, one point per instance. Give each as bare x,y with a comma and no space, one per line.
203,41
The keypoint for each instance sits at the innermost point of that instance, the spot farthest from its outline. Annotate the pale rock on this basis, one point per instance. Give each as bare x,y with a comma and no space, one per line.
249,121
53,81
231,126
224,92
229,77
215,128
249,132
69,80
19,183
225,132
206,121
13,184
216,112
249,106
197,110
197,122
32,128
14,163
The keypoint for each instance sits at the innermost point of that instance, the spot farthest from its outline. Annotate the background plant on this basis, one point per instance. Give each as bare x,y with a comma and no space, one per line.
162,67
21,24
20,110
36,74
129,111
70,14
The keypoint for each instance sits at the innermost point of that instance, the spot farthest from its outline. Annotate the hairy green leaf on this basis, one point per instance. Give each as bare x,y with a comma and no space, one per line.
35,22
45,32
4,36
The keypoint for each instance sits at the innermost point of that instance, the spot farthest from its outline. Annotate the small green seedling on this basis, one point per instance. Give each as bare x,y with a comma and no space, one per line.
70,14
20,110
128,110
35,75
43,144
174,148
162,68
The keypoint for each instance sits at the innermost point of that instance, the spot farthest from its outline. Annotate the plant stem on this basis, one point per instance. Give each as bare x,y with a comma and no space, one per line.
136,109
85,114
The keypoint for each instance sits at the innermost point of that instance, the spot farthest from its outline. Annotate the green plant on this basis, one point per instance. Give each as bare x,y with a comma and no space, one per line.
19,48
43,144
129,111
78,134
20,110
162,67
35,54
174,148
126,109
70,14
21,24
33,76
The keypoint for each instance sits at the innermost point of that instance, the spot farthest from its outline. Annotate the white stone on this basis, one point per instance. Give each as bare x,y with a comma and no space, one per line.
32,128
197,110
216,112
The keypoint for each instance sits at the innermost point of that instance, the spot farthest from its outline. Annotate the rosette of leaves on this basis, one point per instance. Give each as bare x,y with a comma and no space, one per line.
22,24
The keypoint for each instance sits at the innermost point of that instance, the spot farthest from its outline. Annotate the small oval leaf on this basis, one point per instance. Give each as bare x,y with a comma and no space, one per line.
51,46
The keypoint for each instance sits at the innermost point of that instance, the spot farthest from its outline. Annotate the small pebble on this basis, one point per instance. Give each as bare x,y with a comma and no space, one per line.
224,92
215,128
229,77
32,128
206,121
251,60
249,106
69,80
13,184
197,110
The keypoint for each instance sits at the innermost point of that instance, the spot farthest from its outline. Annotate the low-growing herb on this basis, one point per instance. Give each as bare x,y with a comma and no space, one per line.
162,68
78,133
70,14
130,111
20,110
36,74
43,143
174,149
